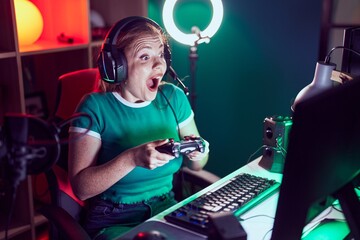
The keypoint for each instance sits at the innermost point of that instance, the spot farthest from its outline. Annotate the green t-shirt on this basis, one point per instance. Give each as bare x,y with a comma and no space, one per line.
122,125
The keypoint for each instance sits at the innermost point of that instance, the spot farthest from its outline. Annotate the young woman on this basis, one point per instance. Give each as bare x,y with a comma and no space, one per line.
116,165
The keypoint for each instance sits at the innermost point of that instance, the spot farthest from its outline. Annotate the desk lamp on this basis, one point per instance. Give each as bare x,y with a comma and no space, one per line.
323,78
320,82
194,38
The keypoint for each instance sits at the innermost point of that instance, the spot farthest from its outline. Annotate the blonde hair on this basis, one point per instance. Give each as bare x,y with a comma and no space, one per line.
125,40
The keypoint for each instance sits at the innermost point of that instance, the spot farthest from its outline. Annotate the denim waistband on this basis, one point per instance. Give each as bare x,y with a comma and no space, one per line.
152,199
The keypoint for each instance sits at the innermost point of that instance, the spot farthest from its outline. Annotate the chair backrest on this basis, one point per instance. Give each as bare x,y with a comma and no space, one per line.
71,88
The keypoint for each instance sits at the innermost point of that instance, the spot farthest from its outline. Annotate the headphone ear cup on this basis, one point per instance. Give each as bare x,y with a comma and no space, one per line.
121,68
106,64
112,66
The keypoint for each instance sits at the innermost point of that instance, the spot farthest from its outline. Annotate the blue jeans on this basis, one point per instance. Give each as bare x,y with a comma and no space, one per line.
108,220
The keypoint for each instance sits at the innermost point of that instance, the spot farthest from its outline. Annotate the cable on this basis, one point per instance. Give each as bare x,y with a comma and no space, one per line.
173,111
278,148
317,222
259,215
255,216
253,154
68,121
327,58
181,177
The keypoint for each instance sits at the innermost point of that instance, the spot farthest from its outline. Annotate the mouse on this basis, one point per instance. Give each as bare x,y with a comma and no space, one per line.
150,235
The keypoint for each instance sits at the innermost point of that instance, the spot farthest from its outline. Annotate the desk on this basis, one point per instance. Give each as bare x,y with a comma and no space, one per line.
257,222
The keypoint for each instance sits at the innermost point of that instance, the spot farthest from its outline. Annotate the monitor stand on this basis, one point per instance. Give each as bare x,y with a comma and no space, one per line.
350,205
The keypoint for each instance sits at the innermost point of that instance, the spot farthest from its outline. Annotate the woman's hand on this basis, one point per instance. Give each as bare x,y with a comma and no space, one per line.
147,156
198,156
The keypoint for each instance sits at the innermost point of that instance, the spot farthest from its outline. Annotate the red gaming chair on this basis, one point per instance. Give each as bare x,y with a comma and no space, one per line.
67,224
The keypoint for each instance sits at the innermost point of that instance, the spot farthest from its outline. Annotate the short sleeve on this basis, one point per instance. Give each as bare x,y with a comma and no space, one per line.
88,120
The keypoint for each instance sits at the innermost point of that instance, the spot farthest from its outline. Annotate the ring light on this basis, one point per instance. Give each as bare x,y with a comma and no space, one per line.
191,38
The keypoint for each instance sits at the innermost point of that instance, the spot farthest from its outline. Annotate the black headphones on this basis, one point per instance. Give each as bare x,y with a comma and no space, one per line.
111,62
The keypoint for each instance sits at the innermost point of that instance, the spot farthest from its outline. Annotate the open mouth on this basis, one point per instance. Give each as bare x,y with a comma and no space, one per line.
153,83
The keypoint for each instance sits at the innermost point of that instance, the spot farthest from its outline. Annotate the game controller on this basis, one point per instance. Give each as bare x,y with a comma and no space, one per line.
185,146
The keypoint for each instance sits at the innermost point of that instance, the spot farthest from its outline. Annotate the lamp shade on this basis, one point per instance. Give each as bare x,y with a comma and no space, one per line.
29,22
321,82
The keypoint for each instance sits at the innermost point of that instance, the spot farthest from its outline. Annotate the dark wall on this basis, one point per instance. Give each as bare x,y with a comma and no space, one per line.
263,54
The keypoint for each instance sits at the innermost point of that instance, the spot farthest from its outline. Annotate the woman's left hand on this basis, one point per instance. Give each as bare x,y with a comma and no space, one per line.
198,156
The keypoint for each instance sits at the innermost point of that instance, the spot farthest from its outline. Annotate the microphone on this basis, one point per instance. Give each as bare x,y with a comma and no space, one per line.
16,132
173,74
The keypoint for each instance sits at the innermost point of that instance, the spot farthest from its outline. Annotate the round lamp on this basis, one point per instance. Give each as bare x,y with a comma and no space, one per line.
190,39
29,22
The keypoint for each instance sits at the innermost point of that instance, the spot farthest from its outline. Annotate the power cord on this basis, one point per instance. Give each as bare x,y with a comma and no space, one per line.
327,58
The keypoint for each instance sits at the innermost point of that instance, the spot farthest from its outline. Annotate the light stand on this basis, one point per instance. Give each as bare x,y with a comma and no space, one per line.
193,57
194,38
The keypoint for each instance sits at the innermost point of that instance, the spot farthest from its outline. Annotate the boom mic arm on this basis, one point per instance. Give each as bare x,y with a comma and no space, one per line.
173,74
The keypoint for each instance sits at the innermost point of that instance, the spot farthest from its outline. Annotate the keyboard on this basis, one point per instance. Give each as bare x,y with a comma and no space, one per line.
238,195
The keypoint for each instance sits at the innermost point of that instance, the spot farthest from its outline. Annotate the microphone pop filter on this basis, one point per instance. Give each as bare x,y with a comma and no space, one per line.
37,137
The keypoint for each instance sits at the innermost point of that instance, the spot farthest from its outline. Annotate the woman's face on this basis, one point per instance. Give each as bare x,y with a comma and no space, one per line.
146,67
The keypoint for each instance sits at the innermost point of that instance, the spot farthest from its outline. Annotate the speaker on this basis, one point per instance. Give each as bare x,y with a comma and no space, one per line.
111,61
275,140
225,226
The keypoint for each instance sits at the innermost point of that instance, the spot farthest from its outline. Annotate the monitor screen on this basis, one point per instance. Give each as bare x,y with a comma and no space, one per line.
351,61
322,161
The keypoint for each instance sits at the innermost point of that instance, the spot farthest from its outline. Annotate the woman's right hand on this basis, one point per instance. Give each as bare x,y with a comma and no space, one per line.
147,156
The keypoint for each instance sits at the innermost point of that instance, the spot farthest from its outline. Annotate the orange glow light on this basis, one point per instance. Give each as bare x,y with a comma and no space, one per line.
29,22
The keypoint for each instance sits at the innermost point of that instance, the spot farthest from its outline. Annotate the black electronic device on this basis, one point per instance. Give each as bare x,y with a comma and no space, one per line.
350,61
185,146
322,162
275,140
225,226
112,62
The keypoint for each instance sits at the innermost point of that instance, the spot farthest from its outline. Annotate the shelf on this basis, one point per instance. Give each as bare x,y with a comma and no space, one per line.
39,219
43,46
7,55
13,232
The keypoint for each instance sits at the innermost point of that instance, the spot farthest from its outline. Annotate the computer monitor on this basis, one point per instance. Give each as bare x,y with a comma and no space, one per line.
322,161
350,61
